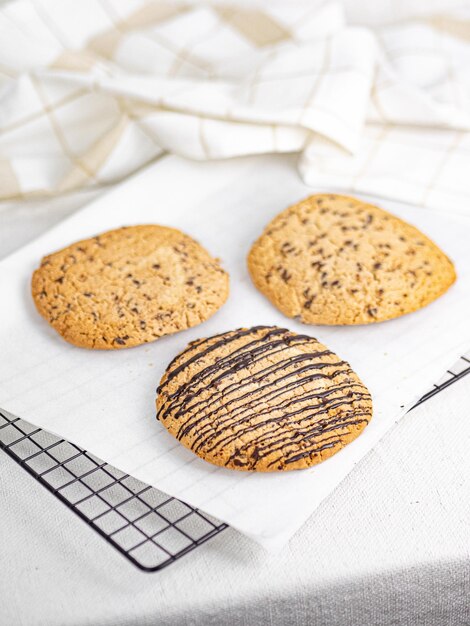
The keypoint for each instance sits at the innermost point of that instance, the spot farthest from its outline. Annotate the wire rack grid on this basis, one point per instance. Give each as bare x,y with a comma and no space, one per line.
148,527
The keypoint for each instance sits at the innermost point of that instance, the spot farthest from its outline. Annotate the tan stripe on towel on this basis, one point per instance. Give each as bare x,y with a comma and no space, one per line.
256,26
9,185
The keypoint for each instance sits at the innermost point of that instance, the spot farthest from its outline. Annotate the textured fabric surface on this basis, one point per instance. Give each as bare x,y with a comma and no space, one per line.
376,98
389,547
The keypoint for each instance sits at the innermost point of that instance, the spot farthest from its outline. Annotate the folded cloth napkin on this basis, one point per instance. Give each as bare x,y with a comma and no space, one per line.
92,90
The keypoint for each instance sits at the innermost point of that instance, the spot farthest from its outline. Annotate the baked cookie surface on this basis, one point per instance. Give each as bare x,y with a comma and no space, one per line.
262,398
128,286
333,259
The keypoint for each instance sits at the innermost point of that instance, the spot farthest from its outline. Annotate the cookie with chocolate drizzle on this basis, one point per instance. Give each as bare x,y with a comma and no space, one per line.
333,259
262,398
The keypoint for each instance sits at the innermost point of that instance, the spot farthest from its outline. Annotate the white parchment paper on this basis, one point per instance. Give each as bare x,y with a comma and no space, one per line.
105,401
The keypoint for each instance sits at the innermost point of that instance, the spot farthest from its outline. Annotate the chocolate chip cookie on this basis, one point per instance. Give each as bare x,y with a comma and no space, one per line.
333,259
128,286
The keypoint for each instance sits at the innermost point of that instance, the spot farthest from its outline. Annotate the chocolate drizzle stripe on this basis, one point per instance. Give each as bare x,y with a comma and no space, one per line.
316,446
305,434
226,391
285,404
238,334
278,420
288,387
233,388
236,359
229,365
333,441
272,394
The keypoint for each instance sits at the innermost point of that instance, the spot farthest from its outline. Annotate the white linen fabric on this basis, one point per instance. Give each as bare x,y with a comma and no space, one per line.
92,90
389,547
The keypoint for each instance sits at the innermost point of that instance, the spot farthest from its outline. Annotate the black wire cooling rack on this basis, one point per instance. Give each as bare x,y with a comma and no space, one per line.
147,526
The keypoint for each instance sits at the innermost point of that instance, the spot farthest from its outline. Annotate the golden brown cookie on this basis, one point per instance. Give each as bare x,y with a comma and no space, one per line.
337,260
263,399
128,286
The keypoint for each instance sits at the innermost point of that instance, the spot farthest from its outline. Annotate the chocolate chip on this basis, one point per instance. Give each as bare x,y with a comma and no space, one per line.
285,275
287,248
308,303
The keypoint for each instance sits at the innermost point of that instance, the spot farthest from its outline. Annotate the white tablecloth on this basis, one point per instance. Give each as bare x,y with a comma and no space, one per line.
390,546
